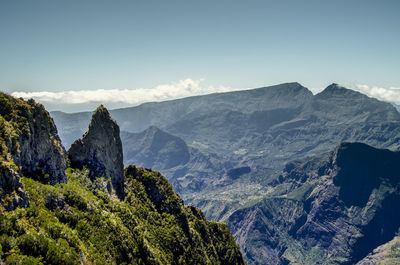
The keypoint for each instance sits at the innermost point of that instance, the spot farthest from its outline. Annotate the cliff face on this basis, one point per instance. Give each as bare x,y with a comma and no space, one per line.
332,209
29,146
31,139
100,150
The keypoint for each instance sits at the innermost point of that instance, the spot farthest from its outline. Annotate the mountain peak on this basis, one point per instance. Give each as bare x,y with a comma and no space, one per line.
291,87
101,110
336,89
101,115
100,150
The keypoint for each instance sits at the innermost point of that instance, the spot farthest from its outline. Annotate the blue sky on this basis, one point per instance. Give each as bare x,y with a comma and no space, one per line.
57,46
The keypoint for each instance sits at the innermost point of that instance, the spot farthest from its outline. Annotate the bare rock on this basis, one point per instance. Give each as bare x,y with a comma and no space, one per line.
12,193
100,150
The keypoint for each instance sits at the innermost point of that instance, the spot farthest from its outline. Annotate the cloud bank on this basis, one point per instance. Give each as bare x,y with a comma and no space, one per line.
391,94
181,89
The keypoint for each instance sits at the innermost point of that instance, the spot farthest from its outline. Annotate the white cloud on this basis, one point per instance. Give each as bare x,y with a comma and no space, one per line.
391,94
183,88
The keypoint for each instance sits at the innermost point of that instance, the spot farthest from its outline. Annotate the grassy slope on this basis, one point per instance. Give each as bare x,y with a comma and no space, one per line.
77,222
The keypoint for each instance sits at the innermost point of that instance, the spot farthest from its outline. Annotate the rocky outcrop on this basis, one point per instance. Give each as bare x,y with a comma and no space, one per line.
30,137
29,146
100,150
12,193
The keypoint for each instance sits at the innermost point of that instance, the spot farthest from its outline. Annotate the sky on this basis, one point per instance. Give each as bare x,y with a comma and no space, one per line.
72,55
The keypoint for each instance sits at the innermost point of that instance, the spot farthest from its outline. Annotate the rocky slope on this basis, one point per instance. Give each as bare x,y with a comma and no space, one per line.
333,209
78,221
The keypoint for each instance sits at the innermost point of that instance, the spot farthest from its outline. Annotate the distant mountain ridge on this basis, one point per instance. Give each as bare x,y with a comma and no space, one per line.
161,114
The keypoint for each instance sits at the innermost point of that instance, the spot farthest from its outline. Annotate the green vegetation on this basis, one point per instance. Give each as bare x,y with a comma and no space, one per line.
302,192
14,115
77,222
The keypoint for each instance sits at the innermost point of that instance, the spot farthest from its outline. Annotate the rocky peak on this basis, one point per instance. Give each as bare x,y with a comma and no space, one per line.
290,90
338,103
338,91
100,150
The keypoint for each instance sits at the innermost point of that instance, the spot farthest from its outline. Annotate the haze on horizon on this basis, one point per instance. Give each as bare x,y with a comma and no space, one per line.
72,55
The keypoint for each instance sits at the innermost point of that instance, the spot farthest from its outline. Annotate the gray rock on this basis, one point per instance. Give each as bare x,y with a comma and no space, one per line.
10,184
30,147
100,150
41,153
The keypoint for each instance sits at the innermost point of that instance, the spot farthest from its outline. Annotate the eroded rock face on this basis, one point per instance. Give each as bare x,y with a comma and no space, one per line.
30,147
100,150
41,153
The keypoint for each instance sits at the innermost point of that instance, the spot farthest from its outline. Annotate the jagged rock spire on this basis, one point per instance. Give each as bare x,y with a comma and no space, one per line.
100,150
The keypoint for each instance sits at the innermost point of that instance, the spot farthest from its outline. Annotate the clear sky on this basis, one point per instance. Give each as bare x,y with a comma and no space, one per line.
116,45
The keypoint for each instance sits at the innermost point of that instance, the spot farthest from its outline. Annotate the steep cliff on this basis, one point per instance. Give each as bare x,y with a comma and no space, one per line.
100,150
331,209
29,146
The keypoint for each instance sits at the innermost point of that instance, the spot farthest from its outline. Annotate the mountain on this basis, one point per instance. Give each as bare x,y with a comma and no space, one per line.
332,116
71,125
155,148
287,120
84,209
162,114
331,209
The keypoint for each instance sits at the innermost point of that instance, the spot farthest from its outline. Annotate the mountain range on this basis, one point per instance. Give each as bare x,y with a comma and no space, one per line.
231,154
